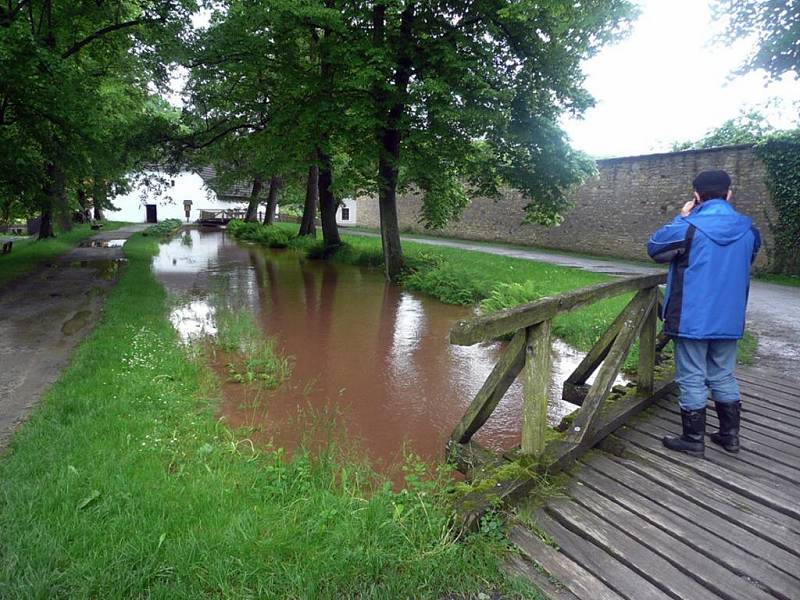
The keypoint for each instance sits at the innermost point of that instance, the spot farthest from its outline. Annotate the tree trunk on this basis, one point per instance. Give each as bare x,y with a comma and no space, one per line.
327,202
307,223
98,199
60,200
272,199
84,204
387,203
46,225
390,111
252,206
48,201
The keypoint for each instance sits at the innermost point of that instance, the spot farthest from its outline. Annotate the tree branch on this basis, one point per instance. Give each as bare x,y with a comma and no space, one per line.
106,30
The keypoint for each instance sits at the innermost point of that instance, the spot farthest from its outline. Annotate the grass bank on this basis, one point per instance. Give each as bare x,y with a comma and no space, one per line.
123,484
28,254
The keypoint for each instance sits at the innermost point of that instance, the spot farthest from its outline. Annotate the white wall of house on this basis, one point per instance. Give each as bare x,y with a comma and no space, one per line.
185,186
346,213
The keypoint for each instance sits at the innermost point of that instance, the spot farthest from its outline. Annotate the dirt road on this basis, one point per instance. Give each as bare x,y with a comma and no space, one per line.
43,316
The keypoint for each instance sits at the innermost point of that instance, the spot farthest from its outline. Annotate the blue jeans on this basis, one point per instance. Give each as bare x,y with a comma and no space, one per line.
703,364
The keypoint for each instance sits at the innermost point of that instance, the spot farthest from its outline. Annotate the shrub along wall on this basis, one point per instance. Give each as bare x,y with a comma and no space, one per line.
615,211
781,155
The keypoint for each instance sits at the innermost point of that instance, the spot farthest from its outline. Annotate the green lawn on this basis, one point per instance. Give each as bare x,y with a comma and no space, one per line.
27,254
123,484
780,279
793,280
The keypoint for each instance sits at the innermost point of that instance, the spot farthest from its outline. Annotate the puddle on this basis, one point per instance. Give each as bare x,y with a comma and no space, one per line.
104,269
103,243
370,354
76,323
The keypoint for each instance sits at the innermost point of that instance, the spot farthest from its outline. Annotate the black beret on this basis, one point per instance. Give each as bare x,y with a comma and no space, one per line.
712,181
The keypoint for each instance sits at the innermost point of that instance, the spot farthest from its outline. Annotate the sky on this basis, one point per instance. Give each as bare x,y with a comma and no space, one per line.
667,82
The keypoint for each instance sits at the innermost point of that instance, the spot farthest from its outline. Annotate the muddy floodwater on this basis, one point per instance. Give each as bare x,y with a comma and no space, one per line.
367,353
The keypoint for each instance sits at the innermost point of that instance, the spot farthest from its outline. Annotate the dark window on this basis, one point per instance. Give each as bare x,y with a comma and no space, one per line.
345,213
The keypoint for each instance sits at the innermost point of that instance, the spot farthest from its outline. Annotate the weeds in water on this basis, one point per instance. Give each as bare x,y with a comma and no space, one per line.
253,358
164,228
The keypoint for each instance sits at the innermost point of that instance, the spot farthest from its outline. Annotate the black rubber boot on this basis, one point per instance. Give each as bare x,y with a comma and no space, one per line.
692,442
728,434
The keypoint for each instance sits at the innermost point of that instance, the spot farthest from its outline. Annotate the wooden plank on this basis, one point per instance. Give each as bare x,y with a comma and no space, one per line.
717,539
778,377
636,313
647,354
785,386
746,461
633,547
536,383
783,395
493,389
752,441
561,454
490,327
765,521
749,465
721,476
605,567
582,583
638,487
763,424
516,566
765,406
708,572
770,397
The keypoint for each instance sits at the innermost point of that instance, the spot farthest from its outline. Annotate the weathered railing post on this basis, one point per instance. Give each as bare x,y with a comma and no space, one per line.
536,379
647,353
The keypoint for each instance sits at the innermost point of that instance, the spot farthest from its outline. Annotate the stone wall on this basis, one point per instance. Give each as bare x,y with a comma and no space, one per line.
613,213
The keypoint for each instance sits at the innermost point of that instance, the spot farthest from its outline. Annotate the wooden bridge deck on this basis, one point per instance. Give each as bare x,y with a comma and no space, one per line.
640,522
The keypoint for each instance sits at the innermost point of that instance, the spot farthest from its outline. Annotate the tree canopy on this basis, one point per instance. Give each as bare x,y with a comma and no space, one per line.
775,26
748,127
451,97
78,107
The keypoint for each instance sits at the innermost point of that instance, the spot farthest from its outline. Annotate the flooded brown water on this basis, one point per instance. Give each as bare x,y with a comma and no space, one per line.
371,354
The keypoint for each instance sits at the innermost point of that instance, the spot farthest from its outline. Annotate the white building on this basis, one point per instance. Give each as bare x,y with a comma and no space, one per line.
169,203
347,213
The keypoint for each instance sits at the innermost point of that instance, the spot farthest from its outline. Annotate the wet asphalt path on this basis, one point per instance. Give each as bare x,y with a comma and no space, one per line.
43,317
773,312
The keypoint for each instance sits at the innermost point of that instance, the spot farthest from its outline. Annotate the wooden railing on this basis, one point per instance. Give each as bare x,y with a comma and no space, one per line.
222,215
529,353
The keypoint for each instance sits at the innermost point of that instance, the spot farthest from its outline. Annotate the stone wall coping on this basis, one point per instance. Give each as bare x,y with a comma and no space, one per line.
660,155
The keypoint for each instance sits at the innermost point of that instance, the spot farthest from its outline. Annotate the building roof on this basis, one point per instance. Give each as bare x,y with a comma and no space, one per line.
239,190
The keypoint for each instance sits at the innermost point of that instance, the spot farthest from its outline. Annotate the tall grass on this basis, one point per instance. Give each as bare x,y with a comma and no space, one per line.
124,484
253,357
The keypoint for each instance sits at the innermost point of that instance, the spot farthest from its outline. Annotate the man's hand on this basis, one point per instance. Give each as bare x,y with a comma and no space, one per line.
688,207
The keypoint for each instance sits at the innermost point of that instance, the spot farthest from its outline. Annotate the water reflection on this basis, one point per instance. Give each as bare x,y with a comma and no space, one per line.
194,320
370,352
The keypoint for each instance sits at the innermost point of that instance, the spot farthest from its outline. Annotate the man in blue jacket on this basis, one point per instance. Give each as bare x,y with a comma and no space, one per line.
710,248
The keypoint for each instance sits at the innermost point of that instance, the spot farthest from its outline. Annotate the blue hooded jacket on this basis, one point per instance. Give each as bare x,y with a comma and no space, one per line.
710,253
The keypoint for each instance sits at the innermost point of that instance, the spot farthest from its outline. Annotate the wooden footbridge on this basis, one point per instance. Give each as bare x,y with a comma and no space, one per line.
632,520
221,217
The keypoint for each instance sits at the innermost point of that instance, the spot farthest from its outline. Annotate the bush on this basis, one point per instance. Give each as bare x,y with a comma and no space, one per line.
267,235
